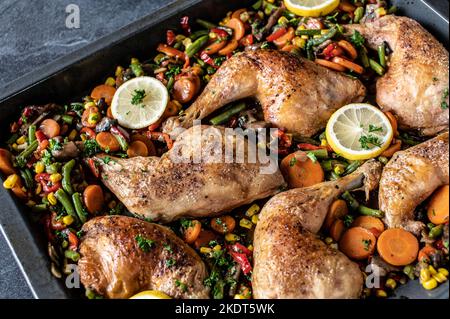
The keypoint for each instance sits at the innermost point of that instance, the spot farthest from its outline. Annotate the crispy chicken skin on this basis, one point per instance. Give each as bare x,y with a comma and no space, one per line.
295,93
164,190
113,265
409,178
417,76
290,261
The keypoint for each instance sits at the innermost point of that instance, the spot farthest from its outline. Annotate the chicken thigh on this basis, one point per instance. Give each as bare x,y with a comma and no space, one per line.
295,93
290,261
409,178
193,179
121,256
415,87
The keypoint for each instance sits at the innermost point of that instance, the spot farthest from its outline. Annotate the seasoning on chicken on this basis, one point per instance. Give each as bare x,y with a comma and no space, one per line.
290,261
121,256
409,178
294,93
415,86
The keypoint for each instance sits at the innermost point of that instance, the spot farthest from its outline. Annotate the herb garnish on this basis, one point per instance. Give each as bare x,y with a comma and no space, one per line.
170,262
144,243
106,159
366,243
168,247
181,285
348,220
91,148
292,161
367,140
357,39
444,104
138,97
373,128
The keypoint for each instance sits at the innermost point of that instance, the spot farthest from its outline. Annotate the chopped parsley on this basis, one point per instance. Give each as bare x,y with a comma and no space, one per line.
369,141
219,60
91,147
293,161
55,145
181,285
175,70
46,157
170,262
366,243
444,104
106,159
373,128
348,220
186,223
357,39
144,244
168,247
138,97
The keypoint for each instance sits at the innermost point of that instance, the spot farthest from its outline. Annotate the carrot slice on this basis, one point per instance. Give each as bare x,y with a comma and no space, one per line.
107,141
398,247
109,113
237,14
348,64
330,65
285,38
300,171
425,252
204,238
6,164
50,128
337,229
349,49
150,146
104,91
223,224
338,210
192,232
394,148
93,198
137,148
215,47
393,120
373,224
438,206
231,46
238,28
357,243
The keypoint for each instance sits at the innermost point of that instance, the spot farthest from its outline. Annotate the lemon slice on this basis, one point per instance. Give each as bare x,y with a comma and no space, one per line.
139,102
151,294
311,8
359,131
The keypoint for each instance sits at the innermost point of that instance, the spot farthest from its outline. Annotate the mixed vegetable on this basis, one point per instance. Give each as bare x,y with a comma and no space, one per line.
46,160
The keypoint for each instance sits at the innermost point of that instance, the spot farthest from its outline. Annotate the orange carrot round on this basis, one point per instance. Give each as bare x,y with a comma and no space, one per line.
393,120
338,210
238,28
109,113
6,164
438,206
103,91
337,229
50,128
150,146
330,65
357,243
93,198
300,171
223,224
237,14
348,64
373,224
349,49
425,252
398,247
192,232
137,148
215,47
391,150
231,46
107,141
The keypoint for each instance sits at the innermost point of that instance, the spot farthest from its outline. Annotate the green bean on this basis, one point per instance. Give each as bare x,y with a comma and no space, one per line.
63,198
197,34
328,165
78,204
39,208
218,290
12,139
67,119
137,69
170,83
364,57
29,150
436,231
27,177
334,176
53,168
327,36
363,210
206,24
376,67
383,160
320,154
309,32
257,5
177,45
359,13
353,203
72,255
197,45
31,133
66,171
225,116
122,142
392,10
353,166
382,54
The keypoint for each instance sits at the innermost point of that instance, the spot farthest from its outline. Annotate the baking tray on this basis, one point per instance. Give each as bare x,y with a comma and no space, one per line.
67,79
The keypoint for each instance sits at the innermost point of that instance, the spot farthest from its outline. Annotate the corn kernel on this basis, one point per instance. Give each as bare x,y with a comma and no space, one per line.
255,219
51,198
119,71
39,167
83,137
299,42
391,283
11,181
380,293
89,104
283,21
93,118
443,271
323,142
205,250
72,135
317,36
440,278
270,1
304,37
339,169
432,270
231,237
21,140
250,247
239,296
68,220
134,61
254,209
55,178
217,248
328,240
381,11
110,81
38,189
302,27
430,284
245,223
15,147
425,275
31,203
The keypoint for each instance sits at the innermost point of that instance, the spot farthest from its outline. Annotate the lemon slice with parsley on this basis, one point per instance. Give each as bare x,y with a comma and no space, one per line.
311,8
139,102
359,131
151,294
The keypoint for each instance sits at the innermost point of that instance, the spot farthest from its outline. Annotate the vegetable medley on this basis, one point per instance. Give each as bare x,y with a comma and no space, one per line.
46,160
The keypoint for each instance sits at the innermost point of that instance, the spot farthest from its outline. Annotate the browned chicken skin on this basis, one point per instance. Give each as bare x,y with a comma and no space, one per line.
113,265
290,261
409,178
417,76
164,190
295,93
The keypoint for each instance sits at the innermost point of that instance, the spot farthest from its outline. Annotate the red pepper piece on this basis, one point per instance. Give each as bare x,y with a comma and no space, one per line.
72,239
247,40
207,59
277,34
93,166
243,261
40,136
89,132
49,187
239,248
170,37
56,224
221,33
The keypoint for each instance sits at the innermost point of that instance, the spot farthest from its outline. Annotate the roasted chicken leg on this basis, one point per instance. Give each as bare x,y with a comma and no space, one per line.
176,185
409,178
121,256
290,261
417,79
295,93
